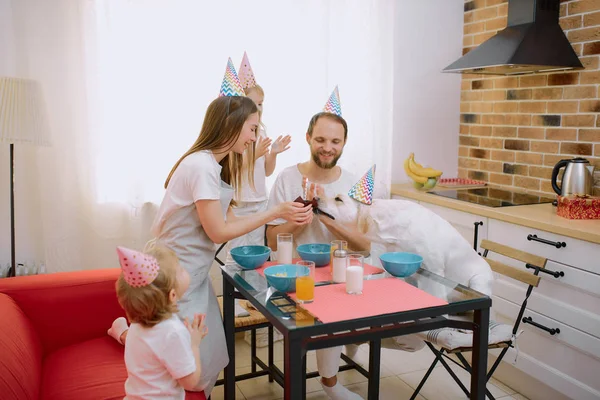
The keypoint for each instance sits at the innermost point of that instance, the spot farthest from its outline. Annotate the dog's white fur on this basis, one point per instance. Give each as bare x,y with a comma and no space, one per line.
401,225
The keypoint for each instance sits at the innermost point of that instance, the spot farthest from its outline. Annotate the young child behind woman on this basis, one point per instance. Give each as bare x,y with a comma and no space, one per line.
162,353
253,198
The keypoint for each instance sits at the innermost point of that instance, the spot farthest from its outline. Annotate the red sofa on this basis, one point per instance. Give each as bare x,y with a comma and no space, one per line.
53,341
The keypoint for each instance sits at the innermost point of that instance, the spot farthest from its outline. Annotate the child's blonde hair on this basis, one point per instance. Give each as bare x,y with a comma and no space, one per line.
149,305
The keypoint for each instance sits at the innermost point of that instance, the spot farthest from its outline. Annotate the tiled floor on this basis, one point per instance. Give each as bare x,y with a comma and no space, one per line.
401,372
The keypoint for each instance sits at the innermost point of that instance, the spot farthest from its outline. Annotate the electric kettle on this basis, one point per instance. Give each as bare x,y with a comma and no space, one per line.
578,177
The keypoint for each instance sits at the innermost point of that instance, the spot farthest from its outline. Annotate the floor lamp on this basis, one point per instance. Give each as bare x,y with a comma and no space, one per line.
22,120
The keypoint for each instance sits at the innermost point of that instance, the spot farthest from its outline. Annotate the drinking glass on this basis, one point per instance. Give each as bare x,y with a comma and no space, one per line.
285,247
305,281
354,273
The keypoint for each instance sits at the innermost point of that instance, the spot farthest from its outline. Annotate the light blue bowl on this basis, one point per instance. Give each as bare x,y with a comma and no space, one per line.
401,264
285,283
319,253
250,257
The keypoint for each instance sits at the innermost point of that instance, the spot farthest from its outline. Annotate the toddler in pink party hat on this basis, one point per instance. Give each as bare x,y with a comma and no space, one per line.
162,353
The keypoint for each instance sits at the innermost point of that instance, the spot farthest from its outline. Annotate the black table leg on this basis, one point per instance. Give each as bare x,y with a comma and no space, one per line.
480,351
294,371
374,369
229,325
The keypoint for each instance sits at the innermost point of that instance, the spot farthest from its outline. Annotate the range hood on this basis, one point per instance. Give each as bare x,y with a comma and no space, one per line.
532,42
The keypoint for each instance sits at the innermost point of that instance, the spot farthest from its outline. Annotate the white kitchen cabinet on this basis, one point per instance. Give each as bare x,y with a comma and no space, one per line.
567,362
463,222
569,302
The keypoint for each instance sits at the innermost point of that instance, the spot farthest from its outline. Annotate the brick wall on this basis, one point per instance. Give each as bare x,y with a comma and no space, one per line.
513,130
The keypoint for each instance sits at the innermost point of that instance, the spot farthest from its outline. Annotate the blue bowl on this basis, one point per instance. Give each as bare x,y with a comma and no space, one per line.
250,257
401,264
287,281
319,253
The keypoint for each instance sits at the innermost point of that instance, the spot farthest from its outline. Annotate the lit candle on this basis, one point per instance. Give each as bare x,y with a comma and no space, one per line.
354,280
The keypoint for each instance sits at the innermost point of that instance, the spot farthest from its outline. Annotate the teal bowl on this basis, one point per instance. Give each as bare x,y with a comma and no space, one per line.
401,264
250,257
319,253
286,281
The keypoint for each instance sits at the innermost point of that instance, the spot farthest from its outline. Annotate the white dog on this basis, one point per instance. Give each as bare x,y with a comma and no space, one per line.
401,225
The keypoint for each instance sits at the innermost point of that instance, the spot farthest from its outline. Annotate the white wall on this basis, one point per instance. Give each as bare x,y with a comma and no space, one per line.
428,37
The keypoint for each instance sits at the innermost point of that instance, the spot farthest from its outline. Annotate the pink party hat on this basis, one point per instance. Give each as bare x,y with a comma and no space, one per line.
231,85
246,74
139,269
333,105
363,189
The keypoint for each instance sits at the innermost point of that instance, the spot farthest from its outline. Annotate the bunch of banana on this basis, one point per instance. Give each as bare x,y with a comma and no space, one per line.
423,177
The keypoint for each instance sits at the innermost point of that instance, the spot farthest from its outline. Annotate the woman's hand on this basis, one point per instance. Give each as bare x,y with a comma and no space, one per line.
281,144
262,147
295,212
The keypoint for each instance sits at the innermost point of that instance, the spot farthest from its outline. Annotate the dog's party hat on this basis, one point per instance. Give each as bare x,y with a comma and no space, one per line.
231,85
363,189
246,74
139,269
333,105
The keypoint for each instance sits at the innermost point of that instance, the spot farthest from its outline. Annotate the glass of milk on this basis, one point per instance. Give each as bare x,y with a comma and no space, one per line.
354,273
285,247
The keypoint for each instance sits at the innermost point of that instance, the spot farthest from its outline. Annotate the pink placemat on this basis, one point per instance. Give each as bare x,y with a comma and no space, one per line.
322,274
380,296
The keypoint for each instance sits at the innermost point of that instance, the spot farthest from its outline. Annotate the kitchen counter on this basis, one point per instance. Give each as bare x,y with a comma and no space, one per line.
538,216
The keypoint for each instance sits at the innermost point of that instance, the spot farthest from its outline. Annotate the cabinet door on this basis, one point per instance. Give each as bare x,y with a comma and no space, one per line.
463,222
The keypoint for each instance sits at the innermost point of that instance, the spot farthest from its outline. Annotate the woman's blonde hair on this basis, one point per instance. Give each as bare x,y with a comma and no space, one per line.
223,123
149,305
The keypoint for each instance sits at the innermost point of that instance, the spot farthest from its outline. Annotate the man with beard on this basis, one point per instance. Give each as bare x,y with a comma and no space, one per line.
326,136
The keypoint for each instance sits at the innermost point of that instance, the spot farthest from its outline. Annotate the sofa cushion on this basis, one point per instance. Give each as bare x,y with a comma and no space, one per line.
20,353
93,369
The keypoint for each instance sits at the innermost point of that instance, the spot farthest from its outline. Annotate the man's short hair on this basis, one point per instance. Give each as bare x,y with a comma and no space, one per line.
335,117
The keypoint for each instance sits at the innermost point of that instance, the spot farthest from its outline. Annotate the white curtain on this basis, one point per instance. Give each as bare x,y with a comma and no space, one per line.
127,83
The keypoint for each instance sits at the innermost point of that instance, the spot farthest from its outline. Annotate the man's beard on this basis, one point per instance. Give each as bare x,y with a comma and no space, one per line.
317,160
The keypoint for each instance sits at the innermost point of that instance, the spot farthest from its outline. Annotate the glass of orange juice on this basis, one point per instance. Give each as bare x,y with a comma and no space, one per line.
336,244
305,281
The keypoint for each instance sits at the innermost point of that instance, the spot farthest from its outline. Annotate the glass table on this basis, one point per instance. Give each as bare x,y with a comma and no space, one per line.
303,332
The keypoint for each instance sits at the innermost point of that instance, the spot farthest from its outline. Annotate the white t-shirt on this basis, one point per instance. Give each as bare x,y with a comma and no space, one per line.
288,186
198,177
155,358
260,180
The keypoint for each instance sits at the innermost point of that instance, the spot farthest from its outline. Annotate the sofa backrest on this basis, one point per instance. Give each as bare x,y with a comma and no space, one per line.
20,353
66,308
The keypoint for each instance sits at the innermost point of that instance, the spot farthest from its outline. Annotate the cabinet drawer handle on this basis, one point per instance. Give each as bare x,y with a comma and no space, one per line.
556,274
552,331
558,245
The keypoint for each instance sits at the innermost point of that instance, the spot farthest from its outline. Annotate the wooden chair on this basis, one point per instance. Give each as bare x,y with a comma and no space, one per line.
537,263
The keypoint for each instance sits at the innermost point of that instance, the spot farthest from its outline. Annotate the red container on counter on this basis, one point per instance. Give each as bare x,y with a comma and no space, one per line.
578,207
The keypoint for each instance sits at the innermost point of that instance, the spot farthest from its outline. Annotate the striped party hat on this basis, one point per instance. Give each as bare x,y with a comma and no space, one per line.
333,105
246,74
363,189
231,85
139,269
